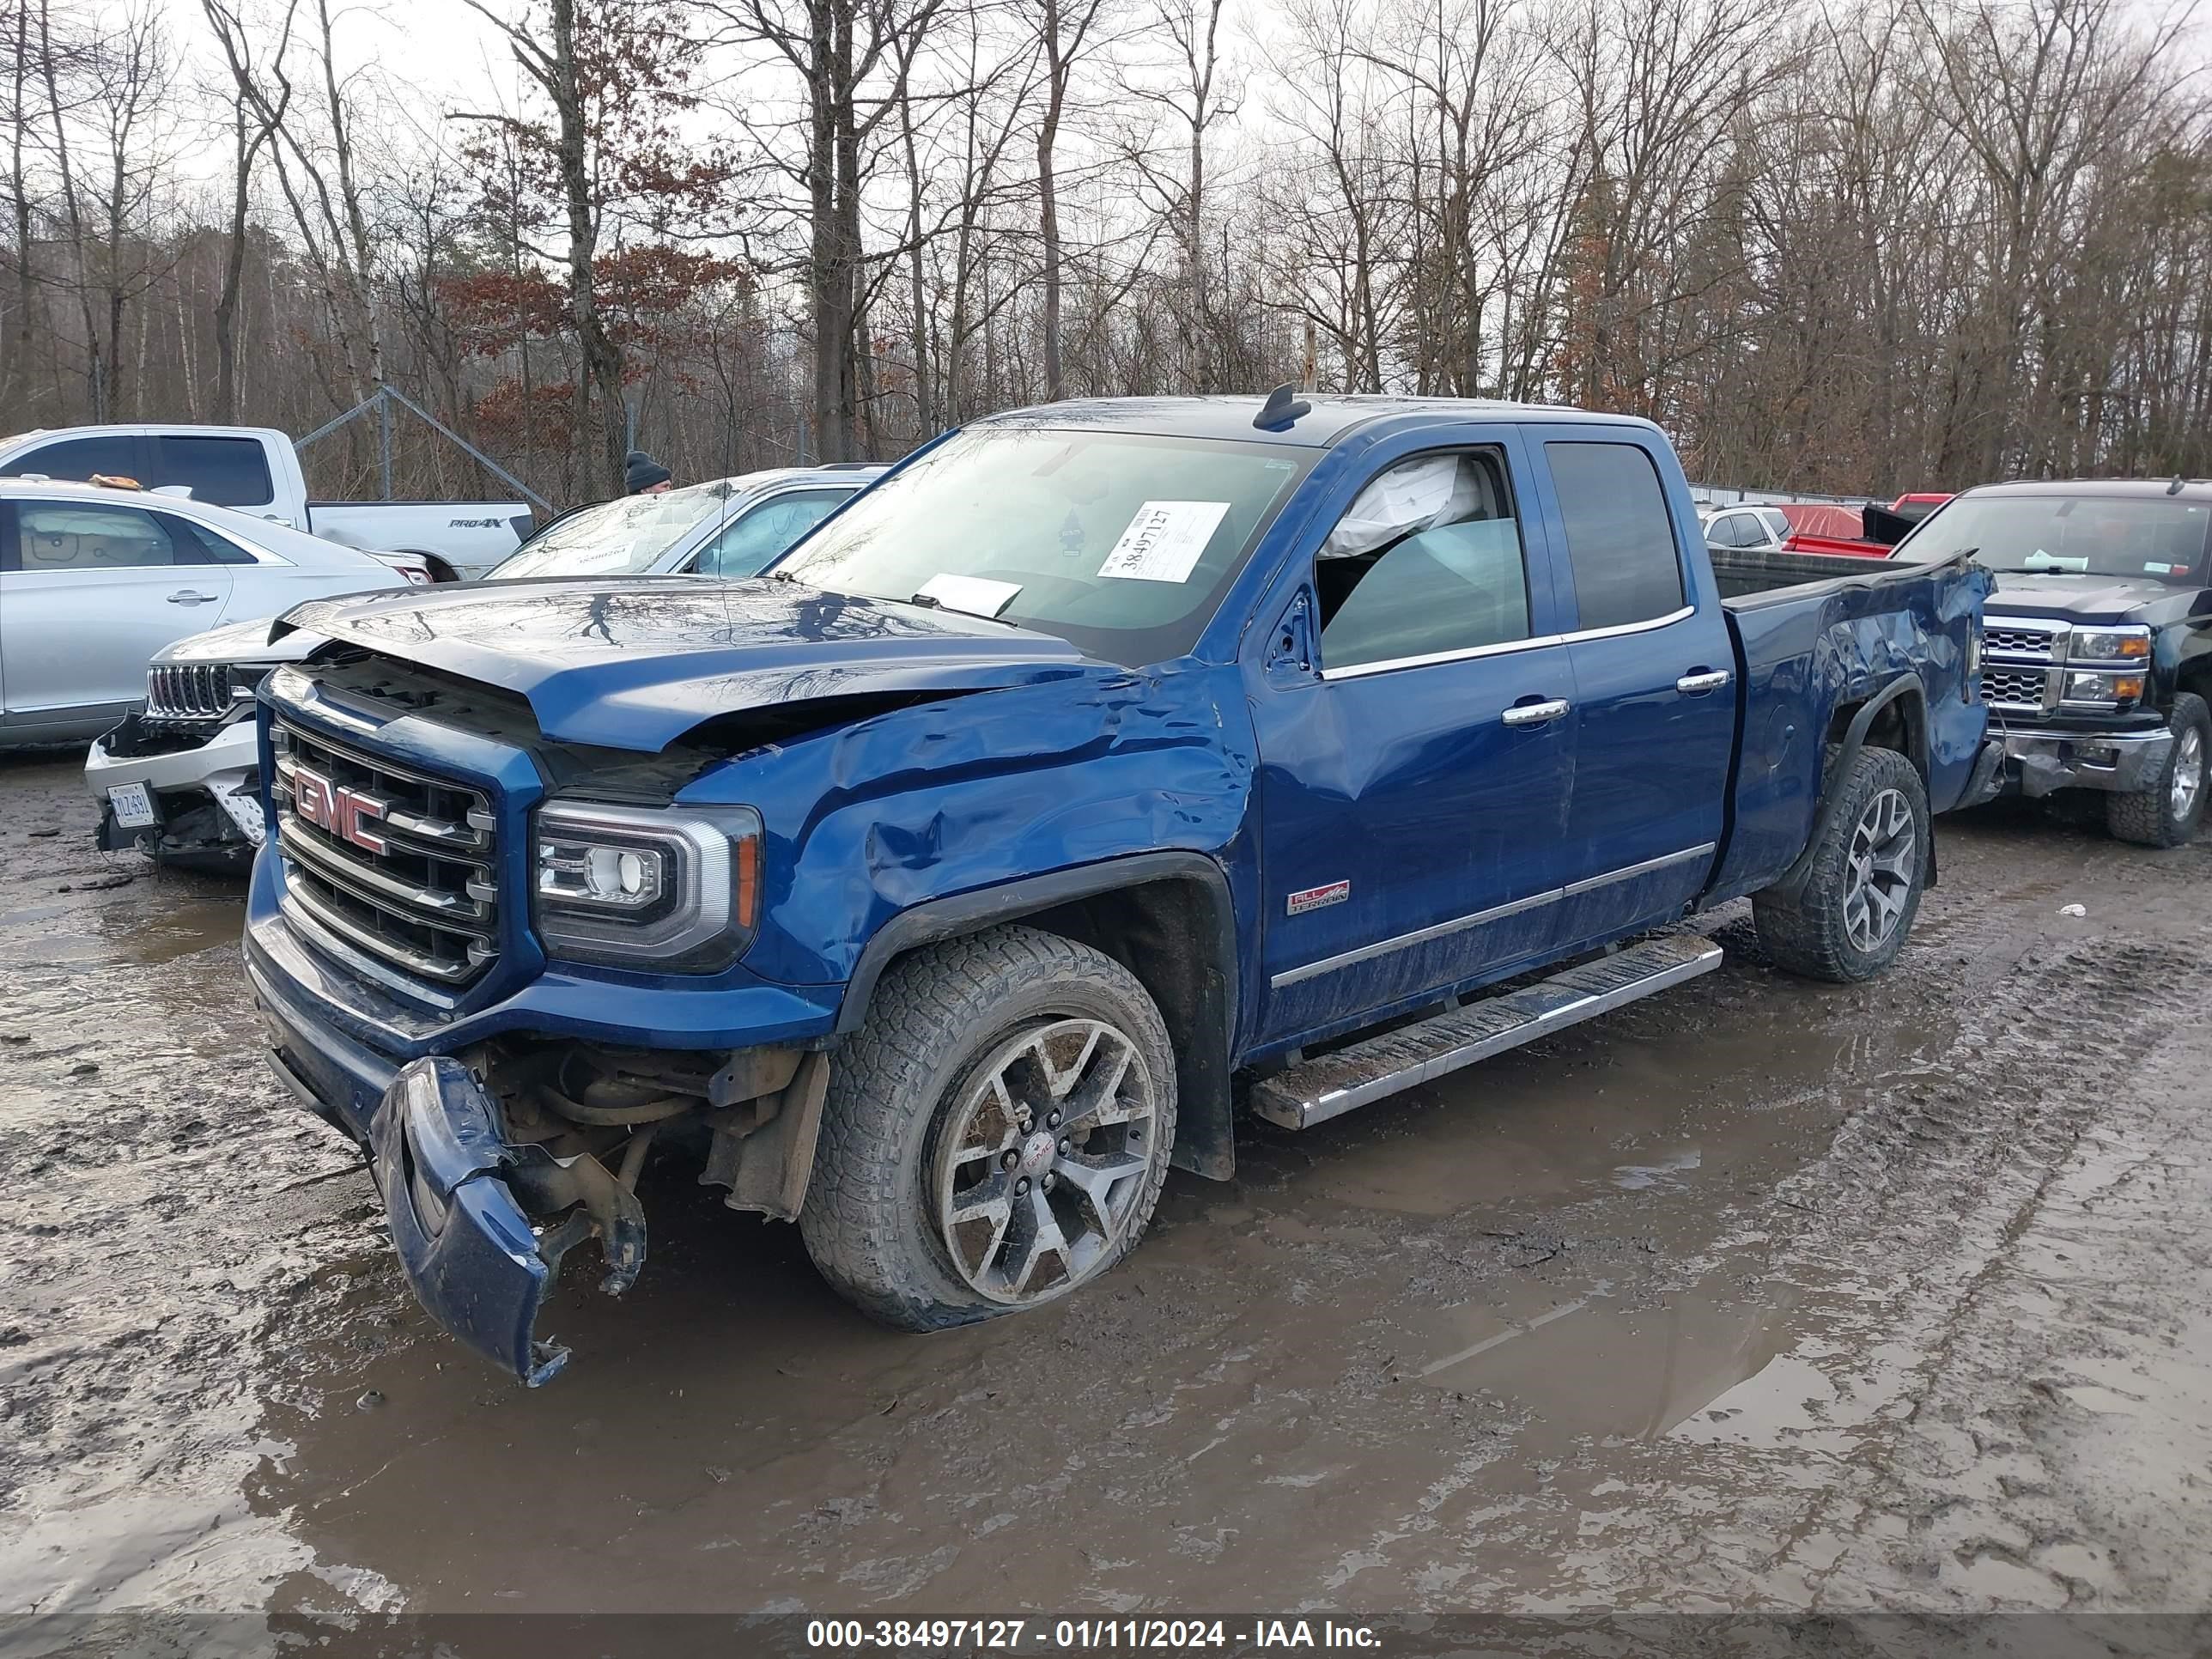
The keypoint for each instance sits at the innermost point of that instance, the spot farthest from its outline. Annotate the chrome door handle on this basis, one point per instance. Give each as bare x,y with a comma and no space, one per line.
186,596
1692,684
1535,714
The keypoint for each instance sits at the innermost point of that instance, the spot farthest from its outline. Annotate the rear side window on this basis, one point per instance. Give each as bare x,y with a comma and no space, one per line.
227,471
111,454
196,543
1620,540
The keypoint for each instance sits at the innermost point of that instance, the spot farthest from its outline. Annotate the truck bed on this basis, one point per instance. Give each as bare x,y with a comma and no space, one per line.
1815,636
1748,572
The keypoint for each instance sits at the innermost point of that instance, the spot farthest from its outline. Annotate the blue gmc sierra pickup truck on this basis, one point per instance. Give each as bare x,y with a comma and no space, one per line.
1108,768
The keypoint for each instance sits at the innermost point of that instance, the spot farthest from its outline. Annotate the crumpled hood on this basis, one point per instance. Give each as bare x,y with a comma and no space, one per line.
2081,597
634,662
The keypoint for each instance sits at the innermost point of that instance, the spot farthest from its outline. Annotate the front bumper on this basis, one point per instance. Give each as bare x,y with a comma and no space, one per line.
2037,763
465,1247
460,1195
222,772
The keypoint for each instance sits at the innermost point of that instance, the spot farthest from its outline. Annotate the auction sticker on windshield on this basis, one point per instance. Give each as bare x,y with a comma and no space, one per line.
1164,542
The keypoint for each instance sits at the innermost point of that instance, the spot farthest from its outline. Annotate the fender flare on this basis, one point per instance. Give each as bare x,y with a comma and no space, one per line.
1204,1137
1792,881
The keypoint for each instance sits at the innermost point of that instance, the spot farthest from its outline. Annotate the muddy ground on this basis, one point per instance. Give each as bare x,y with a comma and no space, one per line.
1760,1294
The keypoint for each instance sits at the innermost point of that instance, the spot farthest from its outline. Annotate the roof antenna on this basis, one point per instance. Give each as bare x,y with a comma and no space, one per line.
2174,488
1282,409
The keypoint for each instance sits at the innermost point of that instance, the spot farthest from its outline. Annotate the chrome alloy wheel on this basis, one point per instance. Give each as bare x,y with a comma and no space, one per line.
1884,853
1039,1169
2188,781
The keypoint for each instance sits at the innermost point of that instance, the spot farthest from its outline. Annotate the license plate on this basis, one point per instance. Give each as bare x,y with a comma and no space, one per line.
134,807
244,810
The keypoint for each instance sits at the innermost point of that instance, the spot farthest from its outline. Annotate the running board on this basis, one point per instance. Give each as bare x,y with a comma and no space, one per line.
1330,1084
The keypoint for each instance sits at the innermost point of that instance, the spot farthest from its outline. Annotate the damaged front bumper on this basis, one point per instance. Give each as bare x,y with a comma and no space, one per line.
454,1190
202,781
2116,762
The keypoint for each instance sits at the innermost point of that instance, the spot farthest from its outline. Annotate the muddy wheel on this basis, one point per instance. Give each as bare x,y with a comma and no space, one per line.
995,1134
2167,813
1850,919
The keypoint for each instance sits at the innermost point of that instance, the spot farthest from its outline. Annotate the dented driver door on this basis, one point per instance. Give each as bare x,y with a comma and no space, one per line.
1416,731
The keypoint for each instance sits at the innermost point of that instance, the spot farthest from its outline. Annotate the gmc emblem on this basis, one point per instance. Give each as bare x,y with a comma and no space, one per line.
337,810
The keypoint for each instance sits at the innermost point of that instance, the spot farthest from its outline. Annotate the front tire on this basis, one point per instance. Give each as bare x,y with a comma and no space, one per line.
995,1135
2167,813
1869,866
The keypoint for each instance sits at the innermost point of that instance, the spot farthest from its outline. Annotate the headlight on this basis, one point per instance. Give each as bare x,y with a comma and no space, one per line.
2109,645
2102,690
675,890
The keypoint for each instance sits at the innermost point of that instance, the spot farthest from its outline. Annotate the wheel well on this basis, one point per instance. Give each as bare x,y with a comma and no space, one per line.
440,570
2196,676
1175,933
1166,933
1900,724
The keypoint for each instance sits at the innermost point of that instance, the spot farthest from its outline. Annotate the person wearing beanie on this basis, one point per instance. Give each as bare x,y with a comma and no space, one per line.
644,475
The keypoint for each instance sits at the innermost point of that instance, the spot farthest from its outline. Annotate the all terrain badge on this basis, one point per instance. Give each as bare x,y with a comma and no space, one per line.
1315,898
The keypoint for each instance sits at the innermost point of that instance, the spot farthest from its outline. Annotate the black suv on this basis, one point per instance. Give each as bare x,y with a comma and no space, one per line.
2097,663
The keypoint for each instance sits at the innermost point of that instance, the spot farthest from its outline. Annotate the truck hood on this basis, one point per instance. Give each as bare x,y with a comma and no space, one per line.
2079,598
635,662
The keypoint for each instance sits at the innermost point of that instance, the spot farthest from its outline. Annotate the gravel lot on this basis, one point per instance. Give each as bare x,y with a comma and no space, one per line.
1758,1295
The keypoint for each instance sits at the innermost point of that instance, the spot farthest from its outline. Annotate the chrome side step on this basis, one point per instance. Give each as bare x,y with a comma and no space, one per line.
1330,1084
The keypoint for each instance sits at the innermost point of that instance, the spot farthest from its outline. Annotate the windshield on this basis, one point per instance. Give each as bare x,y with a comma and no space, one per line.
1119,543
617,537
2091,535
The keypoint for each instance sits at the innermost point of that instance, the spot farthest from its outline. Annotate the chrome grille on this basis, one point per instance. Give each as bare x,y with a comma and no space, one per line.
2016,652
2007,639
188,692
397,862
2005,687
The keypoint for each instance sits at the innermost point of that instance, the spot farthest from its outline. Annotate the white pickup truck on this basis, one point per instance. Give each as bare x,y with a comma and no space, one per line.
255,470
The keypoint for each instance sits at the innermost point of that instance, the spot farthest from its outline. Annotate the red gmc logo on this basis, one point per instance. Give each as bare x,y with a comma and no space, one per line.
333,807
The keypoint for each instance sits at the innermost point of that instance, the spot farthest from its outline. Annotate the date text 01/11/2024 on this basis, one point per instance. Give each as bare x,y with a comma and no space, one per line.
1013,1634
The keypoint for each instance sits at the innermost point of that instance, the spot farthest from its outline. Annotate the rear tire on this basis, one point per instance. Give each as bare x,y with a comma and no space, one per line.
996,1133
2167,813
1869,866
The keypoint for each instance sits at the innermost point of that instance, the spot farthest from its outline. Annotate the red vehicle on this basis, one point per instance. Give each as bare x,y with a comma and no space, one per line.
1867,533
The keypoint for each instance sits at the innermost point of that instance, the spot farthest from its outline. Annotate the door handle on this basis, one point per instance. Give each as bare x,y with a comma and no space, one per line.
1535,714
186,596
1702,681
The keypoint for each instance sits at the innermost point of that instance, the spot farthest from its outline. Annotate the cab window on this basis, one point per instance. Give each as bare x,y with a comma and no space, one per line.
227,471
108,454
1426,562
1621,539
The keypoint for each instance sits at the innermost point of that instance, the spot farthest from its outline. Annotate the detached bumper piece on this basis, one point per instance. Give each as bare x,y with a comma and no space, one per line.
2128,764
1987,780
456,1190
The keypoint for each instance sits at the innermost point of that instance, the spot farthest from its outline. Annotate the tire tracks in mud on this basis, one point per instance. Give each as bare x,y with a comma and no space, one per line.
1930,1194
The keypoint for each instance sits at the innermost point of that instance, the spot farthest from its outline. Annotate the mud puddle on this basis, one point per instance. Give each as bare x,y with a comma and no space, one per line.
1258,1365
